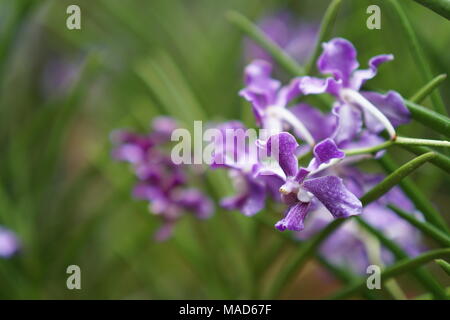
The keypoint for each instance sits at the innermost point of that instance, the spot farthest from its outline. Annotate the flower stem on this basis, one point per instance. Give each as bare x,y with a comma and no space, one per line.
325,31
271,47
399,141
395,270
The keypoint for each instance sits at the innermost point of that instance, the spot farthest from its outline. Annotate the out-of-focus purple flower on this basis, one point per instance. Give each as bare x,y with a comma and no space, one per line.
235,153
349,246
58,75
296,39
9,243
355,107
161,182
269,101
303,186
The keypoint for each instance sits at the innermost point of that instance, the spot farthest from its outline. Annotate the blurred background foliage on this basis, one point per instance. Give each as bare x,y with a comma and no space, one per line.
63,91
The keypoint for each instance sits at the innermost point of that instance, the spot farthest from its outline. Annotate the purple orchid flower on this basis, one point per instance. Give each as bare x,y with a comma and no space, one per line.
161,182
303,186
9,243
355,107
296,39
270,100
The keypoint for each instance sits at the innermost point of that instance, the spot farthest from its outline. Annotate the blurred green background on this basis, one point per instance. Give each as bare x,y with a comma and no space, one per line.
62,93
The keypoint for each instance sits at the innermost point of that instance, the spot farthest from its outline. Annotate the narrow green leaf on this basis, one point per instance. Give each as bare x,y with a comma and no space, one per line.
444,265
420,201
441,161
325,32
285,61
397,269
395,177
425,227
429,118
417,53
422,275
427,89
441,7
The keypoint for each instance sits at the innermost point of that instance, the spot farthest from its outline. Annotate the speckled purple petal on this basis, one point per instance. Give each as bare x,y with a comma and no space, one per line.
339,59
326,151
333,194
391,105
282,147
320,126
311,85
294,218
9,243
359,77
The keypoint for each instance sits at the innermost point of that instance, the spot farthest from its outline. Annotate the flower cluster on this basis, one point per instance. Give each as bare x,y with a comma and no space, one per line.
160,182
331,184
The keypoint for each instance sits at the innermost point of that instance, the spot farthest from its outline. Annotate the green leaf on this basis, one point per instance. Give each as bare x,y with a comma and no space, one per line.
420,201
441,161
325,32
444,265
441,7
396,177
429,118
417,53
425,227
300,258
397,269
427,89
284,60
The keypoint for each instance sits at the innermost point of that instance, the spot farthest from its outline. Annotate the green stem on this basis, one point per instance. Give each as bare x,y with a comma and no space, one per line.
427,89
395,270
429,118
420,201
441,161
395,177
398,141
417,53
441,7
425,227
324,33
271,47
